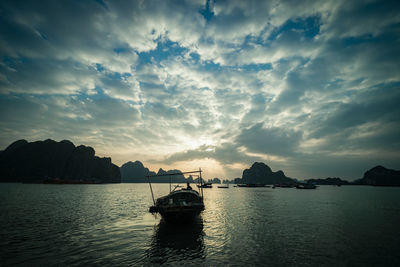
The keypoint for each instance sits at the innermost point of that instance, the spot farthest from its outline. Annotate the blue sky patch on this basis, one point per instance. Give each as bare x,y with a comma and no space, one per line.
308,26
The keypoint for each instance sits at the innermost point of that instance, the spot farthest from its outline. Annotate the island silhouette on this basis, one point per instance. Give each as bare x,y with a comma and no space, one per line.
50,161
55,162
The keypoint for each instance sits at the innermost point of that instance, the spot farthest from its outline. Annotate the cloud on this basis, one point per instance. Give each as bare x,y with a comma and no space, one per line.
46,77
360,122
227,155
125,87
271,140
300,84
358,18
252,144
141,23
63,117
160,110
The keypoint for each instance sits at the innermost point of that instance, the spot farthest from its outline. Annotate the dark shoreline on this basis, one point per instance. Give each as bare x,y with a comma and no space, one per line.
94,183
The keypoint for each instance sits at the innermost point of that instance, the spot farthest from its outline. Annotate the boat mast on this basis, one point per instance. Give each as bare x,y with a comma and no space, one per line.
201,185
151,189
170,184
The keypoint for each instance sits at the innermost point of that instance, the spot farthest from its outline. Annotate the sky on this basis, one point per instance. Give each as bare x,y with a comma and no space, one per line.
308,87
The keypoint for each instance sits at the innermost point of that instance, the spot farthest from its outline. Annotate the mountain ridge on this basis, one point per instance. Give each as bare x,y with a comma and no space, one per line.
48,160
40,161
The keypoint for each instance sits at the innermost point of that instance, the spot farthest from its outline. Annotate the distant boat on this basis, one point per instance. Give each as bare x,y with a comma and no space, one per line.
179,205
223,186
283,185
253,185
205,185
306,186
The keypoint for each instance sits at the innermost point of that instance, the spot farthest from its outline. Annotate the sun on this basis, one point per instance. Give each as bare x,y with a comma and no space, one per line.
190,143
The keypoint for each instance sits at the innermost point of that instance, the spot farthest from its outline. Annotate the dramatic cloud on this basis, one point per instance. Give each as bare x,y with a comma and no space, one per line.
308,87
275,141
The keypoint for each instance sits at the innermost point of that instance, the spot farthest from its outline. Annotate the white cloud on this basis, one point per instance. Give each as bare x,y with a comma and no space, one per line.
275,80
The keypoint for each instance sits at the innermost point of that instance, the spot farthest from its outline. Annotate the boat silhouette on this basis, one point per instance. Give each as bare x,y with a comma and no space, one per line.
181,205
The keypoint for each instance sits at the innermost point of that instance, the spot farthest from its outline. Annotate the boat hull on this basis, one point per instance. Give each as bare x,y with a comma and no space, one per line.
179,206
207,185
306,187
180,214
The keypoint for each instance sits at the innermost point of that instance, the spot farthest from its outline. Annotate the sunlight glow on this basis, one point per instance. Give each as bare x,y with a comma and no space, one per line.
210,167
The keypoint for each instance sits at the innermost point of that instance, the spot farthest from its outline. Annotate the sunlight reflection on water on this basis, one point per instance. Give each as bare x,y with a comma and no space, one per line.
110,225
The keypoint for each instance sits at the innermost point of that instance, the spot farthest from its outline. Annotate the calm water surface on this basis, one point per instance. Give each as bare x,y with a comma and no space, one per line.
109,225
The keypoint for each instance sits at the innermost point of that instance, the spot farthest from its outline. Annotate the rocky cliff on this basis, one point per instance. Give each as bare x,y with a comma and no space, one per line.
135,172
260,173
216,180
180,178
47,160
328,181
380,176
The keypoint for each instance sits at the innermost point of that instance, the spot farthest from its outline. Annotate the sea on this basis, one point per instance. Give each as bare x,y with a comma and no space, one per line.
109,225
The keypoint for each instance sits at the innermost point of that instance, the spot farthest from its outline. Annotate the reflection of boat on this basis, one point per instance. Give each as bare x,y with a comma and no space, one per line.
223,186
252,185
179,205
306,186
205,185
171,242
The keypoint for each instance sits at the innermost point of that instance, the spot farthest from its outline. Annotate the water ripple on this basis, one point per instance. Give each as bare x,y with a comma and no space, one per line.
76,225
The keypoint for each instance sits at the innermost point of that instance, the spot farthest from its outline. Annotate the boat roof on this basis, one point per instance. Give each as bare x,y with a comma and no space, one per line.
184,190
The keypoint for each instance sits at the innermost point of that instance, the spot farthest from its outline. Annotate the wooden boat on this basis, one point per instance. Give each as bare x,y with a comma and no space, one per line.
205,185
178,206
306,186
223,186
283,185
252,185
